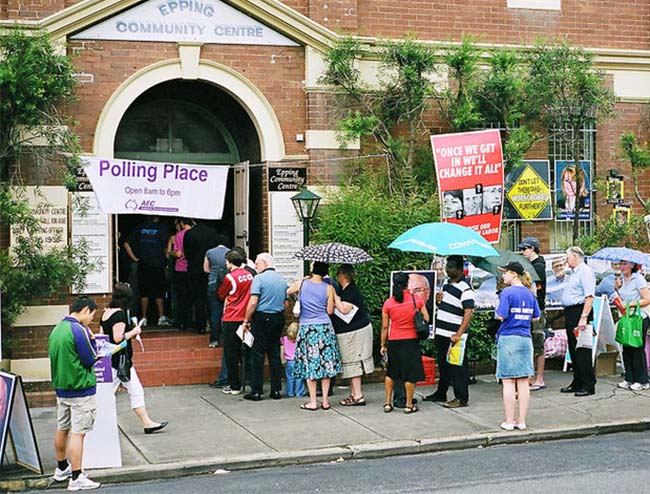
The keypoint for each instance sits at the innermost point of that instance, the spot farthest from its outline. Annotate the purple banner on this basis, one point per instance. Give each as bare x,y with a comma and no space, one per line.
103,369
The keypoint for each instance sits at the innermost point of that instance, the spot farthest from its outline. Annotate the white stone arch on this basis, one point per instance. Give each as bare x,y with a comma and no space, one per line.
241,89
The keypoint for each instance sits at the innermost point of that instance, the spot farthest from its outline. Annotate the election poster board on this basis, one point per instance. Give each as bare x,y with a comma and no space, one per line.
166,189
615,192
102,444
16,423
528,192
566,190
469,168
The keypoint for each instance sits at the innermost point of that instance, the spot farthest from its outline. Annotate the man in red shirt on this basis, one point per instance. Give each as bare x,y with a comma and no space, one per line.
235,290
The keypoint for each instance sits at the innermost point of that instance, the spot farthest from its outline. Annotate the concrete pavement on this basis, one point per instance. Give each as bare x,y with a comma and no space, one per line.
210,430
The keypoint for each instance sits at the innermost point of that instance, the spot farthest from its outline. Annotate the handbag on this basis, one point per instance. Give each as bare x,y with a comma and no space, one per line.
296,304
629,329
124,367
421,326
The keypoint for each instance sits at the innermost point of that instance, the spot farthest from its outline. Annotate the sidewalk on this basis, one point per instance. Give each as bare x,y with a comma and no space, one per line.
209,430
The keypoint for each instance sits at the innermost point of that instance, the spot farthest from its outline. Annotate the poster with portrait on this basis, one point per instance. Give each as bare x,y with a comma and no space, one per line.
424,284
621,214
7,388
566,193
615,192
469,169
528,192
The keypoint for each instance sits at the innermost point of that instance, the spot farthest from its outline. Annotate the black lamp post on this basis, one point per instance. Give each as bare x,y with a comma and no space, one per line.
305,203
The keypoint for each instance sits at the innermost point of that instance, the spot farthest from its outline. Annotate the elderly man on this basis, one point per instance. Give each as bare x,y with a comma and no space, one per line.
577,299
265,317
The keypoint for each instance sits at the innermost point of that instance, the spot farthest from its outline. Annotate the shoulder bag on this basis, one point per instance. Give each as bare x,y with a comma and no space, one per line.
629,329
421,326
296,304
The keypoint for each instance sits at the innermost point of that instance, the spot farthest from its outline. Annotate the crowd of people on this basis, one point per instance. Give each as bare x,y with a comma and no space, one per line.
333,335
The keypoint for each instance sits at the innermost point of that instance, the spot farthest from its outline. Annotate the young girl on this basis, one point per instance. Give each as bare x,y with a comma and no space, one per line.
517,308
295,387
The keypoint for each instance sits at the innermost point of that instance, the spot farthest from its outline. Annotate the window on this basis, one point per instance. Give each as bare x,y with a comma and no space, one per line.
562,230
535,4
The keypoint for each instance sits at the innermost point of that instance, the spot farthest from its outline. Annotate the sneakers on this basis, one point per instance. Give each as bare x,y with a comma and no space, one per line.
227,390
82,483
143,323
507,427
455,403
521,426
639,387
61,475
624,385
163,321
213,344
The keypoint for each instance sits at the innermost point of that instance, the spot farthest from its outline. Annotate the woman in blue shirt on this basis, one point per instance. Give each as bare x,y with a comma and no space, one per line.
517,308
633,289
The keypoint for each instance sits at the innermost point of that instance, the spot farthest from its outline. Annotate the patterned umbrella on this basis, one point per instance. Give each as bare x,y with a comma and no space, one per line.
333,253
622,254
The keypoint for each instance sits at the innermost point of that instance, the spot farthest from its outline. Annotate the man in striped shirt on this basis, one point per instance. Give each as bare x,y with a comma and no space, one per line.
454,312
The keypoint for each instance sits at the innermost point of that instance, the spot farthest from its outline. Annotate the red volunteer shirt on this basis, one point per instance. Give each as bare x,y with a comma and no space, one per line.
235,290
402,326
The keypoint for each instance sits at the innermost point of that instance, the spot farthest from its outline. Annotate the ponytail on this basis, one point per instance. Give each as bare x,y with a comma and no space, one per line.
526,280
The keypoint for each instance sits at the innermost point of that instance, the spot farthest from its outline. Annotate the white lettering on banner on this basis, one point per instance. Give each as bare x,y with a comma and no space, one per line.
207,21
168,189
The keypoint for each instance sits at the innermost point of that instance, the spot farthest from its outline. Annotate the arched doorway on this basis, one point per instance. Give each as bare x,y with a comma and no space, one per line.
180,121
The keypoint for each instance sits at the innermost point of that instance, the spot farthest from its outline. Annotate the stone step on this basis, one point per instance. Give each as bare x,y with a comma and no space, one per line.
167,374
180,355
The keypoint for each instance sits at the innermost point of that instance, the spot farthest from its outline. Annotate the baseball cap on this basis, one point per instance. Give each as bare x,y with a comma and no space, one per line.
529,241
513,266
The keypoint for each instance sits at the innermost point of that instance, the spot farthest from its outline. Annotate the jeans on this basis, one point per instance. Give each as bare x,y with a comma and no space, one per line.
266,328
215,311
451,375
295,387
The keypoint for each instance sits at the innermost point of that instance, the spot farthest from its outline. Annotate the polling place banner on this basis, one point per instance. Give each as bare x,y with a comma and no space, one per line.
167,189
469,168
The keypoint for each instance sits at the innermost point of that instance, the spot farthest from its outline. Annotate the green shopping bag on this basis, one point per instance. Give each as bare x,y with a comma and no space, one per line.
629,329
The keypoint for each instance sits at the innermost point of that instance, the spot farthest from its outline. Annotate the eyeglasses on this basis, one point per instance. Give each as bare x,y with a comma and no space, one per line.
526,247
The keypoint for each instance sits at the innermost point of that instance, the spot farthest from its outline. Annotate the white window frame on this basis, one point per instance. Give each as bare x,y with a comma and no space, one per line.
535,4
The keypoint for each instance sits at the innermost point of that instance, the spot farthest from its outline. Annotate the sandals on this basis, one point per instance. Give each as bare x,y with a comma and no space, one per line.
388,408
411,409
305,406
351,401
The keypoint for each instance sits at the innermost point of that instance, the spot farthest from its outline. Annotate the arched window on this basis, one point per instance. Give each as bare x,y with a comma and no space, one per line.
172,130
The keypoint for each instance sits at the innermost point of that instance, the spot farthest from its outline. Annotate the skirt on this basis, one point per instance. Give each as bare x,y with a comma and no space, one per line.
514,357
356,352
317,354
405,360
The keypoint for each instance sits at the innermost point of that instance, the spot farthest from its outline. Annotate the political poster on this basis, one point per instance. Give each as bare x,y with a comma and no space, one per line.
7,387
528,192
621,214
166,189
566,191
423,283
469,168
615,192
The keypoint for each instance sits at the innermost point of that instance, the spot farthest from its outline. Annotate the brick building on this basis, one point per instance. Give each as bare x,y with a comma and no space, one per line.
245,73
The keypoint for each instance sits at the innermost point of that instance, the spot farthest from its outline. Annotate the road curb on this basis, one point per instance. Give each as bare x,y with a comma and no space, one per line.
357,451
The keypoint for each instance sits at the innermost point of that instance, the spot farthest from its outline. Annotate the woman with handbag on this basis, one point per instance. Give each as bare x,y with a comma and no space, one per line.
115,323
632,288
317,355
400,342
517,308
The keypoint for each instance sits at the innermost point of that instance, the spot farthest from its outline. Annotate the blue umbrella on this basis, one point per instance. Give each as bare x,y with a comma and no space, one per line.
622,254
444,239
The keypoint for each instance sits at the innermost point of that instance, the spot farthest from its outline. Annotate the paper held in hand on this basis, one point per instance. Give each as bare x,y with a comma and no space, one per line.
106,348
346,317
245,336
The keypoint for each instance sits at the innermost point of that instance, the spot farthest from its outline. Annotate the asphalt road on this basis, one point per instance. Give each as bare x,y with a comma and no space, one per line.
612,463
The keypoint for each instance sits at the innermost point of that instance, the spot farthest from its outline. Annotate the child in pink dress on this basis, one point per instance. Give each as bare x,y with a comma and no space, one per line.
295,387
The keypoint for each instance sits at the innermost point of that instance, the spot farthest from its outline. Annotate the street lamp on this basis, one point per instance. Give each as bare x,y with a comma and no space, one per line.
305,203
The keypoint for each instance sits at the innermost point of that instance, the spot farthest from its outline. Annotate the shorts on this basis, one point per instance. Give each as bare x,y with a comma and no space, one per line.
76,414
151,281
355,348
514,357
539,336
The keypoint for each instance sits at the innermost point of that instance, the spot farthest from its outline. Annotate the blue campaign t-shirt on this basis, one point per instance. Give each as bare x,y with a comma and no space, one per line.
517,306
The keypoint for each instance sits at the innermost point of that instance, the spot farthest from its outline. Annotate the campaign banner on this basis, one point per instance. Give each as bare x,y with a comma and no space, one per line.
528,192
166,189
469,168
566,190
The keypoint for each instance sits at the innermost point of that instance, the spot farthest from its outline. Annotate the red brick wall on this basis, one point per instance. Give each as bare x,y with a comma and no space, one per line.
277,72
337,15
606,23
31,9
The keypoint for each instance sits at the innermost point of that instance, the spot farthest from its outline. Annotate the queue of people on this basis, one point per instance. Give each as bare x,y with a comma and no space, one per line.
333,336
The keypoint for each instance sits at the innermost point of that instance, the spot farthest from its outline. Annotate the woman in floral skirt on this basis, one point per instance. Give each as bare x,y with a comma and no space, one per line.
317,354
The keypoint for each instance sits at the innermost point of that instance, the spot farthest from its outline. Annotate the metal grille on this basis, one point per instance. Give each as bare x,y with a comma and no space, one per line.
562,230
